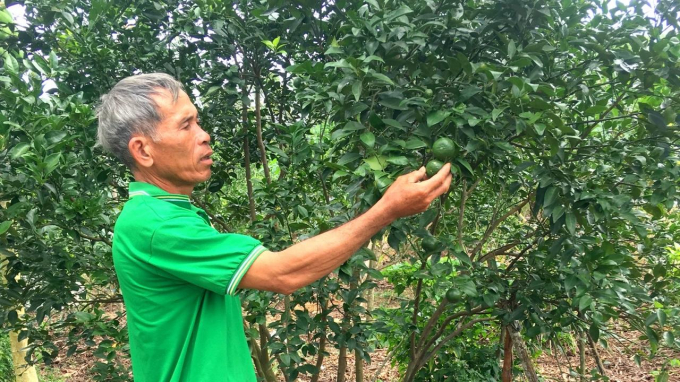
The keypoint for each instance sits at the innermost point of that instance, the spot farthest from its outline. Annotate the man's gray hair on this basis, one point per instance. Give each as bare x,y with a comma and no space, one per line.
129,109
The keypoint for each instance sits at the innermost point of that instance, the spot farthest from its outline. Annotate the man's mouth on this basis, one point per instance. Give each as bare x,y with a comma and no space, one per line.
207,159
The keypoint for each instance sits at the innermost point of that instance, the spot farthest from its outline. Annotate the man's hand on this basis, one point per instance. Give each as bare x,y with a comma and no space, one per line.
308,261
412,193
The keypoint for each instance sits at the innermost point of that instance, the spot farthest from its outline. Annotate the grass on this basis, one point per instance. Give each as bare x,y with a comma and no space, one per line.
6,366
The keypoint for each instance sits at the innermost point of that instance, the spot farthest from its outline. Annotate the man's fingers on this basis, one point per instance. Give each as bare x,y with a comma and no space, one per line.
416,176
439,182
445,186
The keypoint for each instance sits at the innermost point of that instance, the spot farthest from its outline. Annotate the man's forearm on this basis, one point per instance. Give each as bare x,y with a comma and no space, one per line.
308,261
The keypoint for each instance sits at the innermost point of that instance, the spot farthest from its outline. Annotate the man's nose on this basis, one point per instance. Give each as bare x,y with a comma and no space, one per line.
205,137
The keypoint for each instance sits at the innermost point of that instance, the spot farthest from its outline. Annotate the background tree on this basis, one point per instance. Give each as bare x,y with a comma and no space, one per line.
563,120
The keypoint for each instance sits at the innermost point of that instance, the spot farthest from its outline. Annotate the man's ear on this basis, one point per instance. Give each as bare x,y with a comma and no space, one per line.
140,150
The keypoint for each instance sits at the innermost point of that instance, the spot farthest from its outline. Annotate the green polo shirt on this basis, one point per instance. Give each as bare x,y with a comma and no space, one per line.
178,276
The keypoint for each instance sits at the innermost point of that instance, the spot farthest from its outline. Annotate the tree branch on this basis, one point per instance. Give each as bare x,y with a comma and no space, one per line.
451,336
443,326
498,251
495,223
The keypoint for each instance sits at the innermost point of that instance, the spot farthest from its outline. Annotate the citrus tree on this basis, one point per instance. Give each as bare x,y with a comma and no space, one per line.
559,119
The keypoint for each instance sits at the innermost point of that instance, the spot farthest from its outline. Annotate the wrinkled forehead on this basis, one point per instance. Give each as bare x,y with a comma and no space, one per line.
173,110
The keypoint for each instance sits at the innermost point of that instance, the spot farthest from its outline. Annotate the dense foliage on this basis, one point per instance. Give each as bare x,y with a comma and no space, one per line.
564,204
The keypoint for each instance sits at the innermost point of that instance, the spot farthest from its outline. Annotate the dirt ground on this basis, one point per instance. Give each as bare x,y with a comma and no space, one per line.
552,366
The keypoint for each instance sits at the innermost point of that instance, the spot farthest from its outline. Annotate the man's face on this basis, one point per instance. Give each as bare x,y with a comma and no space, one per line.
181,151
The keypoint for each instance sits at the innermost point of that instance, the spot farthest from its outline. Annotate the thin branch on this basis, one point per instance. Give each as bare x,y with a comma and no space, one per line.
214,218
444,324
498,251
416,307
464,194
604,119
495,223
432,321
590,128
451,336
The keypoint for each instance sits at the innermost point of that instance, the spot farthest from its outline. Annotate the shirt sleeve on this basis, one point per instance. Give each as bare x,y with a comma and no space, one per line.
190,249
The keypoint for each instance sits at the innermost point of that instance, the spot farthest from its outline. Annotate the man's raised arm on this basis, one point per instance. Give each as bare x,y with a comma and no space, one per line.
309,260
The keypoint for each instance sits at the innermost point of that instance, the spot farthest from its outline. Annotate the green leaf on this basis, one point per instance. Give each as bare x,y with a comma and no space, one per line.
571,222
415,143
657,119
511,49
381,77
465,285
504,145
585,302
348,158
469,92
6,17
368,139
594,332
356,90
496,112
669,338
82,317
11,64
637,360
662,317
19,150
373,58
463,257
594,110
437,116
68,16
334,50
465,164
550,196
51,162
4,226
652,337
398,160
393,123
376,163
401,11
540,128
523,166
338,64
353,126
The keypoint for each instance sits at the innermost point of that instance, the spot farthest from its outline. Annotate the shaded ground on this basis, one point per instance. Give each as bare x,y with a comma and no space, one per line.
618,361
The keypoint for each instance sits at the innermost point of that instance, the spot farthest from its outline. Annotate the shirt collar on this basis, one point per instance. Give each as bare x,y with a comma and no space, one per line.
146,189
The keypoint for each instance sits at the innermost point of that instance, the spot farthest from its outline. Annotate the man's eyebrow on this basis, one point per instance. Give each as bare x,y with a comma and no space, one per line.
187,119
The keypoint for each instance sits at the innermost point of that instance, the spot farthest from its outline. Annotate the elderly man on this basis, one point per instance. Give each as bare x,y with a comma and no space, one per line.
178,275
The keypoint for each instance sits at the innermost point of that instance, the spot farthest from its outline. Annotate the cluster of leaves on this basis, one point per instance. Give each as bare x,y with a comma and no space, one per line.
565,187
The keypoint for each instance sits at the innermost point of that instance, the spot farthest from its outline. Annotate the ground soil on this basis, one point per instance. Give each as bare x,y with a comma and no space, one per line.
552,364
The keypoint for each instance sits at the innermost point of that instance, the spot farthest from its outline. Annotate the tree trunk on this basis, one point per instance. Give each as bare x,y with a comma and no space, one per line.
23,372
506,374
319,359
521,350
359,366
260,142
582,355
246,155
596,355
342,363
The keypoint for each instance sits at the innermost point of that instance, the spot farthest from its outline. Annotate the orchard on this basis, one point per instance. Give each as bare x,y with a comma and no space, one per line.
560,231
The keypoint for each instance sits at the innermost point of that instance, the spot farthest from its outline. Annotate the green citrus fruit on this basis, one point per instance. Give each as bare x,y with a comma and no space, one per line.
430,244
454,295
444,149
433,167
428,92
